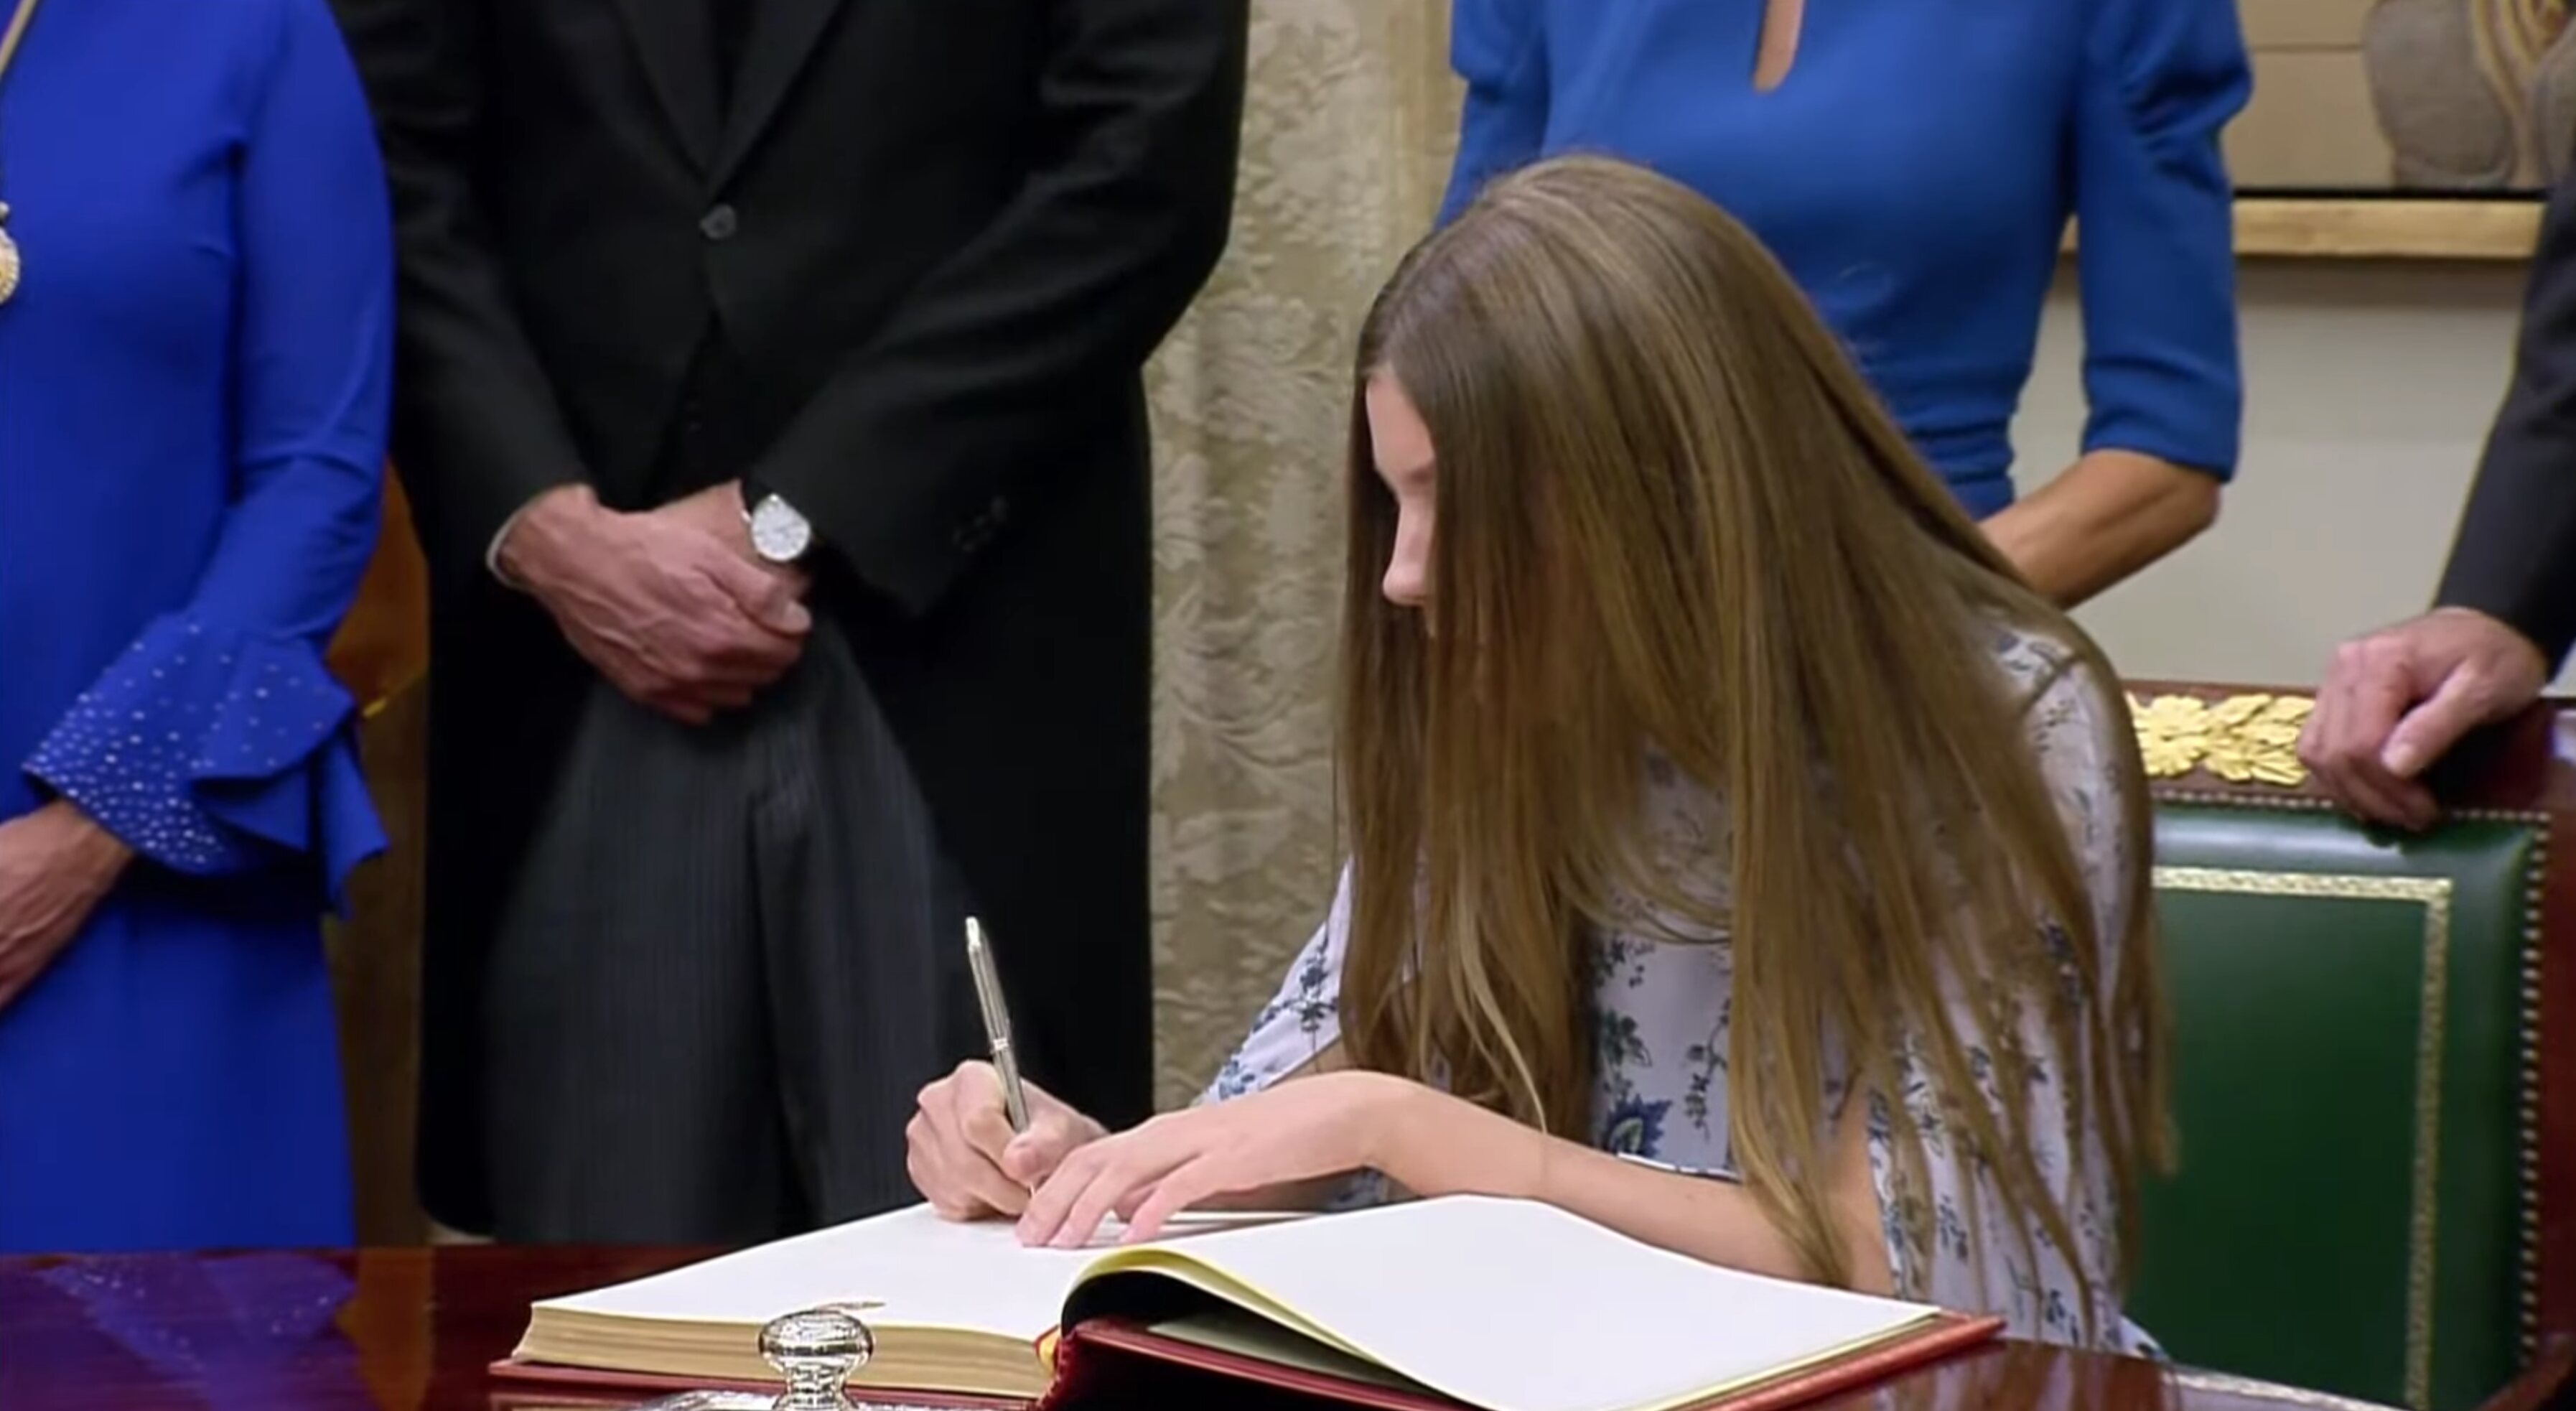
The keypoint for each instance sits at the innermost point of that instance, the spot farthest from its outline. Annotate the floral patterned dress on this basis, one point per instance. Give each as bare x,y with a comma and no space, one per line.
1663,1006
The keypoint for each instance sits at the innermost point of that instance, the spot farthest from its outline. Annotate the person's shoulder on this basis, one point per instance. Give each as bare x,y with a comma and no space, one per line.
247,39
225,30
2066,698
2075,721
2190,52
263,31
255,25
2032,660
290,47
288,23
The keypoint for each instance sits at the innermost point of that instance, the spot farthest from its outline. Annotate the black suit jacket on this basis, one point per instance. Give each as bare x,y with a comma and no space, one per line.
2515,558
940,237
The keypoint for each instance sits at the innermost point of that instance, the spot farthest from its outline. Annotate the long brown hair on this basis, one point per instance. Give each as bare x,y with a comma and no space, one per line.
1671,518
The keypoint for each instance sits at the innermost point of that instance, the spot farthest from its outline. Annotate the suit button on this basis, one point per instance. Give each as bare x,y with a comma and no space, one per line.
719,223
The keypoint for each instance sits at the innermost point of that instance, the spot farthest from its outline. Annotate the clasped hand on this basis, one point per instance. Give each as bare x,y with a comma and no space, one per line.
1066,1174
669,605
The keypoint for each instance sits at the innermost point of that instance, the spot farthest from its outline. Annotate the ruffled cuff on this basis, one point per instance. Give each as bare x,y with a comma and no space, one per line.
212,752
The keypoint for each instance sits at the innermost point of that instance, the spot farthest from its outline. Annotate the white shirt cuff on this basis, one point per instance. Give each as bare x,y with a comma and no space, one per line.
492,551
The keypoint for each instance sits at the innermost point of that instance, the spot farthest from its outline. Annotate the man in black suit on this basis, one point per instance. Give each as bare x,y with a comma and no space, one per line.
2505,615
771,401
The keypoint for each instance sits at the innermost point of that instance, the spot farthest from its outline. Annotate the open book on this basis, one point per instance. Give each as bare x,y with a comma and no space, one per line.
1493,1304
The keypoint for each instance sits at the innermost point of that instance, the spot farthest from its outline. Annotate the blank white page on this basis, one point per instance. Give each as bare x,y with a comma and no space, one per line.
1516,1306
915,1268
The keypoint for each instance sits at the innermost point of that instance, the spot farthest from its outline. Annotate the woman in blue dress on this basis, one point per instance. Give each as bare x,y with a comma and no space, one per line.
193,377
1914,163
1782,905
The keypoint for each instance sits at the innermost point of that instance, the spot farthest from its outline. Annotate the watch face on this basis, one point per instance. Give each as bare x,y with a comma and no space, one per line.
780,534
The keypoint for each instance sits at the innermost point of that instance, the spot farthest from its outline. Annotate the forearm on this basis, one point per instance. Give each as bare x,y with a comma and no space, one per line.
2156,270
471,480
2111,514
478,430
2511,558
1438,1145
1287,1195
218,740
1314,1194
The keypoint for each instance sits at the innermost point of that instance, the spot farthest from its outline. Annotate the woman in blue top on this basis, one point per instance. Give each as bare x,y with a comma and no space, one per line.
193,373
1914,164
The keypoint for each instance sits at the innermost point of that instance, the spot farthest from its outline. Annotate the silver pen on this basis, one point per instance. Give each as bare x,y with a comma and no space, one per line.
997,1024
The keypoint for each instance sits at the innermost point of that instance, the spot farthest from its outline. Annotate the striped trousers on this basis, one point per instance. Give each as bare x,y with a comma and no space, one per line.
733,956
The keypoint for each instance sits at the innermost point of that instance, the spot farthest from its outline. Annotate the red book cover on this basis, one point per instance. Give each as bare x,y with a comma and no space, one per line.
1110,1361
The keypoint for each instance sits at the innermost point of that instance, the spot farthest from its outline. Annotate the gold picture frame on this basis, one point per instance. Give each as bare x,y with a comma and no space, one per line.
2386,229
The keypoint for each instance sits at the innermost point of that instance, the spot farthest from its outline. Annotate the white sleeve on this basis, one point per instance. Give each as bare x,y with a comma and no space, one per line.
1303,1019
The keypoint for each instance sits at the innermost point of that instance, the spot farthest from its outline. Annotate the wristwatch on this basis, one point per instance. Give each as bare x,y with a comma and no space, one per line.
778,533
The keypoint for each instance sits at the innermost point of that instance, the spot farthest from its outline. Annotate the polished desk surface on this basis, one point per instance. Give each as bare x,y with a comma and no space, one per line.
415,1329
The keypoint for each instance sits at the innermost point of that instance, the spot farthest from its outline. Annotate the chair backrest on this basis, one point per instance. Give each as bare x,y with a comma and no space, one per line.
2371,1063
382,646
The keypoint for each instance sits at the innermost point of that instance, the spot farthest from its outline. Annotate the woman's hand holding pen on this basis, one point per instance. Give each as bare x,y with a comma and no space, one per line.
963,1156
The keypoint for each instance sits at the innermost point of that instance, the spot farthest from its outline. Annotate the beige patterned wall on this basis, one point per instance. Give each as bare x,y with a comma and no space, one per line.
1346,145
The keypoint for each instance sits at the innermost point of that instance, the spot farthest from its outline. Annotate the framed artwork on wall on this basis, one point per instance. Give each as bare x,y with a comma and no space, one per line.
2402,128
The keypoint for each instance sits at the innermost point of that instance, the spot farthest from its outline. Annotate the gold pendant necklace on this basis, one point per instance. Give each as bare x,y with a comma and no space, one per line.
8,257
10,265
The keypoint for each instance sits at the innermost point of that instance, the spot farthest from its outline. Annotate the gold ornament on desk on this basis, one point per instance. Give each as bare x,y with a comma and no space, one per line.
2252,739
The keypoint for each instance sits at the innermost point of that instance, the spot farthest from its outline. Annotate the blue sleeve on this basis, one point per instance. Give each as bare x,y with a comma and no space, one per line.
2155,230
1499,48
219,742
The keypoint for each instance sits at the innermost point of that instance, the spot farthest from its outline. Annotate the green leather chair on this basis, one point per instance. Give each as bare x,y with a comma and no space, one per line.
2369,1044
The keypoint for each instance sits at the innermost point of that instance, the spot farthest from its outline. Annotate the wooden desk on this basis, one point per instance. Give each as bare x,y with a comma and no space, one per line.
413,1330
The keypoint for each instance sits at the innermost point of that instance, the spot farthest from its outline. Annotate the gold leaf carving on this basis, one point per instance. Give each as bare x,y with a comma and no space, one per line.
2251,739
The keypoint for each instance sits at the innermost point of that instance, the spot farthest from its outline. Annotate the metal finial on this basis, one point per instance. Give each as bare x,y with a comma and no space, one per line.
816,1351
